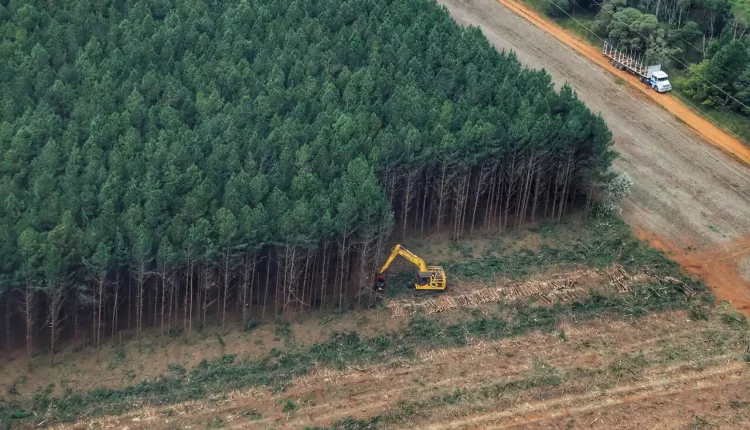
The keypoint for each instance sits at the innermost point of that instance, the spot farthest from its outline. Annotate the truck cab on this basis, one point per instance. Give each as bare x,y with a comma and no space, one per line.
660,82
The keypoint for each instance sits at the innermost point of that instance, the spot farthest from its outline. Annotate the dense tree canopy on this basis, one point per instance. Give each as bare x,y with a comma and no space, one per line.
200,149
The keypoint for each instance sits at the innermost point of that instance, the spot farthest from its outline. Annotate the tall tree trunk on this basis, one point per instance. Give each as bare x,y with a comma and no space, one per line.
408,196
488,209
116,303
55,296
442,185
7,320
247,273
130,300
172,300
556,185
163,278
290,271
226,291
141,274
305,283
190,297
208,284
277,287
101,279
342,276
185,311
424,200
75,314
29,301
324,275
155,296
364,252
478,192
265,291
525,193
536,191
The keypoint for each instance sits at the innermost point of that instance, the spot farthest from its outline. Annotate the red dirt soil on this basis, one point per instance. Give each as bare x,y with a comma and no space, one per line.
719,265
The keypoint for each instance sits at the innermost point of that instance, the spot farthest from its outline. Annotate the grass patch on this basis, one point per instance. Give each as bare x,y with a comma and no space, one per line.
628,365
533,385
252,415
597,243
577,25
741,9
733,121
289,406
502,394
699,423
216,423
118,357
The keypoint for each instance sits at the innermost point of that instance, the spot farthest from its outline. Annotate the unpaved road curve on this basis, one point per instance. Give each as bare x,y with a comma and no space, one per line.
687,194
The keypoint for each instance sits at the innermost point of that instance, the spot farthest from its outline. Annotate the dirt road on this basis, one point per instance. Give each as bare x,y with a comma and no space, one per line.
687,194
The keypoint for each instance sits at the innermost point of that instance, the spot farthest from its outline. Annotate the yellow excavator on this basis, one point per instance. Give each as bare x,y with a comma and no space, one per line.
428,277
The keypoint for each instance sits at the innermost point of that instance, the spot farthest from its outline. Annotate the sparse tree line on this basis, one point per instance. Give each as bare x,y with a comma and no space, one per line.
174,163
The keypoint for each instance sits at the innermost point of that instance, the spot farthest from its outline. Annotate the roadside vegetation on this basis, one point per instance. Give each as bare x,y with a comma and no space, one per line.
704,46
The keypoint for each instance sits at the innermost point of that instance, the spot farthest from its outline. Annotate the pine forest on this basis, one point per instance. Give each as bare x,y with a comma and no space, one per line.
175,163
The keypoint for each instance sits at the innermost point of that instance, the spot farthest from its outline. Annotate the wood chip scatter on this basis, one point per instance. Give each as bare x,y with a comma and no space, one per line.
619,278
546,291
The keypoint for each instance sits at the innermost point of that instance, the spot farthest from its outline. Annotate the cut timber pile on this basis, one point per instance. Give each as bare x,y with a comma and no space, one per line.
562,288
618,278
548,291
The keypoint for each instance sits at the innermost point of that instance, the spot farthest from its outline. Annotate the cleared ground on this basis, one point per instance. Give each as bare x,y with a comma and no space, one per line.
687,196
661,371
557,326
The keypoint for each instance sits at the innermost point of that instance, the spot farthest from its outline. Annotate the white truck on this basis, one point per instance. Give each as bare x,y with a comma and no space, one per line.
653,74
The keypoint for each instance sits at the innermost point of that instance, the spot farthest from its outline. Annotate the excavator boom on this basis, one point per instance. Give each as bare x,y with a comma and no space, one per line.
399,250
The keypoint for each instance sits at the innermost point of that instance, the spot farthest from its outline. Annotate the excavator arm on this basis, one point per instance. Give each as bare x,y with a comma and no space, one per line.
399,250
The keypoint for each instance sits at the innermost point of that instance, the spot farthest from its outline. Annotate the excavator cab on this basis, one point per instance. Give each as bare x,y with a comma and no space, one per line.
433,279
427,277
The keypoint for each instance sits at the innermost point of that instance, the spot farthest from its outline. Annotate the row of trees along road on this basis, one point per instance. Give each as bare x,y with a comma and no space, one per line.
702,40
169,163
